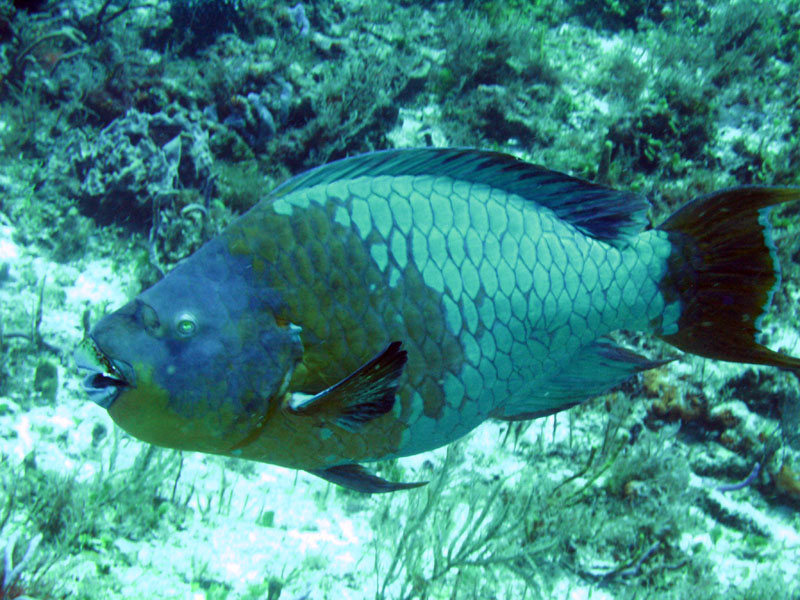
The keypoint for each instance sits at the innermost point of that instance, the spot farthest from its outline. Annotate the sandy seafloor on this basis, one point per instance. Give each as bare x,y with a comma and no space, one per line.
618,498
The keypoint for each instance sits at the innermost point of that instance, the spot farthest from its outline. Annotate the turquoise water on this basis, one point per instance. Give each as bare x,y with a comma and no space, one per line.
130,133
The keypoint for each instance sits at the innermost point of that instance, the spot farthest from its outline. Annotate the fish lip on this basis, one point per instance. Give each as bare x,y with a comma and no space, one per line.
107,377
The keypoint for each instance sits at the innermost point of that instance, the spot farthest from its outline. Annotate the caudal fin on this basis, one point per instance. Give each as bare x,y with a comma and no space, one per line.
724,270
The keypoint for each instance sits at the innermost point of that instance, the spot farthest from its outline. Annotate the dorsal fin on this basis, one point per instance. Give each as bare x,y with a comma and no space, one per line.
601,212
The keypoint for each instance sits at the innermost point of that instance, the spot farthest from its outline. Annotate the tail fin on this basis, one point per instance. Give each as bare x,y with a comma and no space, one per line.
724,270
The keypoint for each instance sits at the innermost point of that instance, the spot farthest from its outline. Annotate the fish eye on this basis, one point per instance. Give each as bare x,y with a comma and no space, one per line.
186,324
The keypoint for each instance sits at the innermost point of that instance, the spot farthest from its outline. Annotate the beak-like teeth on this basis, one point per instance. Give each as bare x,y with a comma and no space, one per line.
101,389
106,378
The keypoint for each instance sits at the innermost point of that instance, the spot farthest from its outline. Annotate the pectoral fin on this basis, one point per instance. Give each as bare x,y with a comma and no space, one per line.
356,477
366,394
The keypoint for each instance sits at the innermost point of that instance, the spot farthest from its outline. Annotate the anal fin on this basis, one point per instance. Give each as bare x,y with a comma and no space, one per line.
356,477
595,369
598,367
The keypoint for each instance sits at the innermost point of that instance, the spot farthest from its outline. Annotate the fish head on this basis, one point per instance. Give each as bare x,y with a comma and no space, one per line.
195,362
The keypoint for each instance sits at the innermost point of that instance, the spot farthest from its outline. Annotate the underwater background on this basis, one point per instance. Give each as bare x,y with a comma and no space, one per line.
131,131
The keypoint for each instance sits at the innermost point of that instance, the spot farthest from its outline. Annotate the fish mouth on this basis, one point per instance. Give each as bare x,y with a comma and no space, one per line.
107,377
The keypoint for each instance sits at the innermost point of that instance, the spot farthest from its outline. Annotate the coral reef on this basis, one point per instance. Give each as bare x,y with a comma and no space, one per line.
140,160
199,22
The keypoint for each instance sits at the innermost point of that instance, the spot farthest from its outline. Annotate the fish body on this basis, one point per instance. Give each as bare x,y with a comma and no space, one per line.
388,304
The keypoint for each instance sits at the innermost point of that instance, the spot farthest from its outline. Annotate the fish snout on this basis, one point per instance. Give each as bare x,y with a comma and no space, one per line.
107,378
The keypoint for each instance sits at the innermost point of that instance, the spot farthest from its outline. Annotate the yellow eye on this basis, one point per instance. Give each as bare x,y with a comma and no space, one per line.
186,325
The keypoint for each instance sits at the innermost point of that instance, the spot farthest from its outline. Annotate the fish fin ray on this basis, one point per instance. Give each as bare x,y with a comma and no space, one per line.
724,271
595,369
356,477
536,414
362,396
600,212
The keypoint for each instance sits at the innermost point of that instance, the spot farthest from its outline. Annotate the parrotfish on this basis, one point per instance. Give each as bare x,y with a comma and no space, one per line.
389,303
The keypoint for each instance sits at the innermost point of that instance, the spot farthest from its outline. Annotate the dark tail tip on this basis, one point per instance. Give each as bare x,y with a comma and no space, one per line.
724,270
